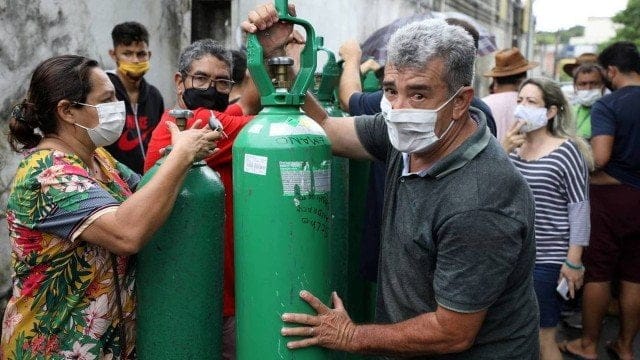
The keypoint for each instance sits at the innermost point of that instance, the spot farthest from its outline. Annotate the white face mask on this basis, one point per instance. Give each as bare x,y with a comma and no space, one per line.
385,105
111,118
534,117
413,130
588,97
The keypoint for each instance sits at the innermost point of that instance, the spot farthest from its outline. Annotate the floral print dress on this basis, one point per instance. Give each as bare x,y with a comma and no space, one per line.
64,303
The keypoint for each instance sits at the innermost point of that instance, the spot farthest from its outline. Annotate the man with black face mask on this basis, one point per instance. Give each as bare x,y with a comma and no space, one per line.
203,83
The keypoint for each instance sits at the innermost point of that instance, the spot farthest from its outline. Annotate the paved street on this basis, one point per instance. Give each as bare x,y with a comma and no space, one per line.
609,332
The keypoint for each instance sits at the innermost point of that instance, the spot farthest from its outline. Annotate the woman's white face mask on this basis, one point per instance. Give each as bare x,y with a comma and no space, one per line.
111,119
533,116
413,130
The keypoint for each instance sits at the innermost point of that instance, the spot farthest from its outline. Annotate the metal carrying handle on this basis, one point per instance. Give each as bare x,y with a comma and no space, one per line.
330,76
304,78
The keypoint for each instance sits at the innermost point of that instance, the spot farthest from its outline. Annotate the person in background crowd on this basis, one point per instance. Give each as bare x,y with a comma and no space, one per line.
74,219
457,251
584,58
614,249
588,82
509,71
142,100
543,145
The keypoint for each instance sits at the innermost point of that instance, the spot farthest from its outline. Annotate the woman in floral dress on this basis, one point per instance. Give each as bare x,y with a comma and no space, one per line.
74,219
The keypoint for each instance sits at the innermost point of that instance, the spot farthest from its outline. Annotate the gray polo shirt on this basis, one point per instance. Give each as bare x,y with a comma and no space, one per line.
459,235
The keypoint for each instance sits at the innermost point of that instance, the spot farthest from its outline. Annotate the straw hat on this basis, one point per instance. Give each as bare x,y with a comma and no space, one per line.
510,62
585,58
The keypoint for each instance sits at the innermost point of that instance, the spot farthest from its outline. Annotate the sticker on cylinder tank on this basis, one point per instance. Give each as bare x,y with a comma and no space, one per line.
302,178
303,126
255,128
255,164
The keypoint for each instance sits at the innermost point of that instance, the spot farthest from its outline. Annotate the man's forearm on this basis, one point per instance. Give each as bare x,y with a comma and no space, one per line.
349,83
421,335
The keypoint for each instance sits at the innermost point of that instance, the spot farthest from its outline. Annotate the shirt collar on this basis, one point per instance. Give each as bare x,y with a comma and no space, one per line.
461,156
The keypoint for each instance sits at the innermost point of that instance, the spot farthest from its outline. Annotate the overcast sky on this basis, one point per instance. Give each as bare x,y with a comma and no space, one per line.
552,15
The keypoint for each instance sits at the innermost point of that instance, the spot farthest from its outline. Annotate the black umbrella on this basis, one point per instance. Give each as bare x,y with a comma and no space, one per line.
375,46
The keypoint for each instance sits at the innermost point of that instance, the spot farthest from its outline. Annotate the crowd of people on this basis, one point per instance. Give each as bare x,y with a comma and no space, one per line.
481,207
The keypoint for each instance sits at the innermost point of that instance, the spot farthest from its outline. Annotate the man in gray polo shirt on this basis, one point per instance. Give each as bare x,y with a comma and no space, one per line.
457,246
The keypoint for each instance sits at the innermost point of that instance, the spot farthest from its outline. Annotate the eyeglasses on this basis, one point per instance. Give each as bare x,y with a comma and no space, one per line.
202,82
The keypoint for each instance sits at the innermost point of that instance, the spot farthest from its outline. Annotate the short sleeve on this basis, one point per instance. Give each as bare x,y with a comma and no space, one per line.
58,197
361,103
372,132
602,119
477,251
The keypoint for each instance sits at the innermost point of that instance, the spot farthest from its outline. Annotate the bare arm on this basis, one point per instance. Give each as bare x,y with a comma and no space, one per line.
351,53
127,229
439,332
340,131
602,146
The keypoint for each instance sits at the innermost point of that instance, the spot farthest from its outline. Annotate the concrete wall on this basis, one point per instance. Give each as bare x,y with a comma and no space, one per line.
31,31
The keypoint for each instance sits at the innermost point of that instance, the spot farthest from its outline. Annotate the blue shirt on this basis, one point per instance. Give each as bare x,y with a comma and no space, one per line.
618,115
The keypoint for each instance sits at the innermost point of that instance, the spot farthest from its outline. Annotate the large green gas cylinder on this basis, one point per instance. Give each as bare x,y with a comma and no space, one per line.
281,184
324,90
179,274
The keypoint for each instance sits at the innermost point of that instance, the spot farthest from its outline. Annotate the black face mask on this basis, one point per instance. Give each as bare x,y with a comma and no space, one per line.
210,99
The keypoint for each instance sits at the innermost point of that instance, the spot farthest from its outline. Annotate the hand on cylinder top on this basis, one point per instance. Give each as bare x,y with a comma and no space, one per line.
197,143
273,34
330,328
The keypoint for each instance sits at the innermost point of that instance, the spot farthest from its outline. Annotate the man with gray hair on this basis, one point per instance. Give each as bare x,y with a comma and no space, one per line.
457,248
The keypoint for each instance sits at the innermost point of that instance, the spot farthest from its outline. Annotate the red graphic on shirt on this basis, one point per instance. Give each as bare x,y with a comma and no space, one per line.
129,138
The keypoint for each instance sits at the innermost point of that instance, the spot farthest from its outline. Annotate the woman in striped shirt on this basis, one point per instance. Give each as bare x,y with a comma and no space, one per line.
555,162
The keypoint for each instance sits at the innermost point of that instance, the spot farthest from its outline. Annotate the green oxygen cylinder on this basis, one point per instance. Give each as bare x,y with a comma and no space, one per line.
282,186
325,89
179,272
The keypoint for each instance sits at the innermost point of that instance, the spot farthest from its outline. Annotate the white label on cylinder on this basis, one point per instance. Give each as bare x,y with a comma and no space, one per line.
299,177
255,164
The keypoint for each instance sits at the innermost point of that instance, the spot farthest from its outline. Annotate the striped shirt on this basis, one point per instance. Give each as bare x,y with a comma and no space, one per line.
559,182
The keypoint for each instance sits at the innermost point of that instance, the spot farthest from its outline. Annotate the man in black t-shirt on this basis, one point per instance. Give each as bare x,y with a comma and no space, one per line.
143,101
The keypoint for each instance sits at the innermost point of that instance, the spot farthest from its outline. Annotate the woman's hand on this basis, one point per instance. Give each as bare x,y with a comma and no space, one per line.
197,143
514,138
575,279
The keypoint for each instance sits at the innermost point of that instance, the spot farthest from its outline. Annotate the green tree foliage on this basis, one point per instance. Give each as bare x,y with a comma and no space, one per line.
560,36
629,18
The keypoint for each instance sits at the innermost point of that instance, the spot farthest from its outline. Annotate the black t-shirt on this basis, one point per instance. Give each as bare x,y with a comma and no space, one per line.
138,125
459,235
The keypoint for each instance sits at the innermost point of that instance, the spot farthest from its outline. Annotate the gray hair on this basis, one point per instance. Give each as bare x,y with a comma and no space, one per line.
201,48
416,44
